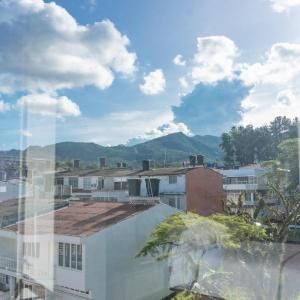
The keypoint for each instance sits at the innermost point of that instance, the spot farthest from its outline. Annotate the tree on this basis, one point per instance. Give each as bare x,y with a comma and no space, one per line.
247,145
191,237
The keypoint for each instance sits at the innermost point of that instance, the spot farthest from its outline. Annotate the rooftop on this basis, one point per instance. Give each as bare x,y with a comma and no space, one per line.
115,172
14,210
79,219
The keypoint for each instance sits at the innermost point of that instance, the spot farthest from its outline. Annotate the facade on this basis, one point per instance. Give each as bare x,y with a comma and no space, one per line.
85,251
197,189
247,182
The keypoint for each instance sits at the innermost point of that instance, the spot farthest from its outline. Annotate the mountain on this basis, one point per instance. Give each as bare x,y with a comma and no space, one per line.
173,148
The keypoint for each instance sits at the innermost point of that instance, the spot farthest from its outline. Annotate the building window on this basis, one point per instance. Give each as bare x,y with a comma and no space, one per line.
87,182
67,255
70,256
73,256
61,254
59,181
172,202
100,183
172,179
120,185
31,249
73,181
79,257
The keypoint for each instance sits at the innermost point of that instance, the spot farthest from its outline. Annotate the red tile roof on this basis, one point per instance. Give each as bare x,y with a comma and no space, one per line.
79,219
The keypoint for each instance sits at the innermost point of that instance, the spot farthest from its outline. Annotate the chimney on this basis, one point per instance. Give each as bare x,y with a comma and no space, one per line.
146,165
124,165
200,160
193,159
102,162
76,164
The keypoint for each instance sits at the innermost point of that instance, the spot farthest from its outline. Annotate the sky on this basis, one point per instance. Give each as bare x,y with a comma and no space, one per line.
115,72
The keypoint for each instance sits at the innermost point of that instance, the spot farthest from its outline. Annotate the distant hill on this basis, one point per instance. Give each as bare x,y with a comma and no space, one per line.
174,148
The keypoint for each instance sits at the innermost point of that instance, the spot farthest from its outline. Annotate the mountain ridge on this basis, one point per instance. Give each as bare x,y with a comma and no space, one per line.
170,149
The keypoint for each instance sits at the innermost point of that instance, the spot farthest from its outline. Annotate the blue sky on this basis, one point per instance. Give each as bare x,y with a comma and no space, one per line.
74,79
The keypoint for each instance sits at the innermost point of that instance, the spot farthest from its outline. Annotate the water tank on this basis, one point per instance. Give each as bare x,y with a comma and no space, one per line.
102,162
200,160
193,159
146,165
76,163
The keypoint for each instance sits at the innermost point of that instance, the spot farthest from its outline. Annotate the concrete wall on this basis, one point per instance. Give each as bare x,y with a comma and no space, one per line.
204,190
112,270
164,185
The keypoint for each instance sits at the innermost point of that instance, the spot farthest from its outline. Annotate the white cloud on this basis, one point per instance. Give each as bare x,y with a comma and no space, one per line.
55,52
4,106
48,105
26,133
284,5
114,128
154,83
179,61
262,106
282,65
162,130
214,59
183,82
276,85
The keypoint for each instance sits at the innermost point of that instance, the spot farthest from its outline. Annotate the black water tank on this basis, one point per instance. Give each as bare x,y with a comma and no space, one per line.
119,165
146,165
76,163
193,159
200,160
102,162
124,165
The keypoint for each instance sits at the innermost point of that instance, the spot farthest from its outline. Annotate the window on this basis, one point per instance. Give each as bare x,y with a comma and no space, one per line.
120,185
67,255
87,182
73,256
31,249
70,255
59,181
73,181
100,183
172,179
79,257
61,254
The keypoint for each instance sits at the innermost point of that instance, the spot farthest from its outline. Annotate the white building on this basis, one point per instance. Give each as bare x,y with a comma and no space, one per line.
197,189
245,181
85,251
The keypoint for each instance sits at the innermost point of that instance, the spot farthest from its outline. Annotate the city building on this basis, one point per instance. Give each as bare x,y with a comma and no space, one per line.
194,188
245,182
84,251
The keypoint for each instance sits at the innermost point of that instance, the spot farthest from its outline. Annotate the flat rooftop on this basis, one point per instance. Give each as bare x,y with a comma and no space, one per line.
79,219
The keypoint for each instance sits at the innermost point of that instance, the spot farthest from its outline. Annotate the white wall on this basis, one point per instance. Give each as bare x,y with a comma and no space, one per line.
164,186
112,270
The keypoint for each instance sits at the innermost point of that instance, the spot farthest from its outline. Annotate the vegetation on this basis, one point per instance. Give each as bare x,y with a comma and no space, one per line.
245,145
171,149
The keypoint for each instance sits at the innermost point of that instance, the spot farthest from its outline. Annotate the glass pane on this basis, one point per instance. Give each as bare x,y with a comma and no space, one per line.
73,256
67,255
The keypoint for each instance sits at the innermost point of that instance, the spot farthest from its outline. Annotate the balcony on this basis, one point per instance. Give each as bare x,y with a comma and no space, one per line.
12,267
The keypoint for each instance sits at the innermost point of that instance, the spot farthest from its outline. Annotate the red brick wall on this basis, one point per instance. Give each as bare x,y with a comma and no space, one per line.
204,191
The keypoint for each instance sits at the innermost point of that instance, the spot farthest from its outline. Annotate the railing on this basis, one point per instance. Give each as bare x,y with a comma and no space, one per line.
144,200
22,267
